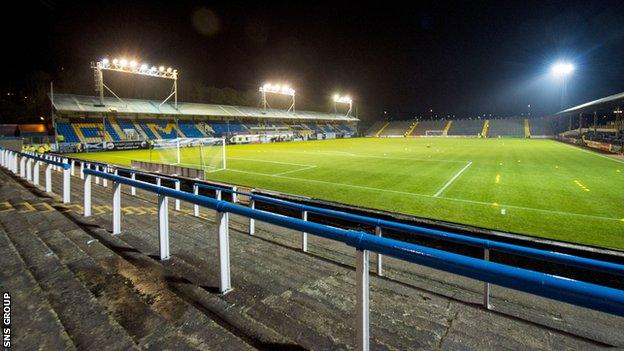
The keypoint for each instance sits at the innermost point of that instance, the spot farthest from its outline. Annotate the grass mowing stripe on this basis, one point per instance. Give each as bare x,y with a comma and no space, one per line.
429,196
439,192
593,153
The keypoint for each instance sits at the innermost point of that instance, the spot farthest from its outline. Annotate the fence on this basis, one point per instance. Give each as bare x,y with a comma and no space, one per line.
579,293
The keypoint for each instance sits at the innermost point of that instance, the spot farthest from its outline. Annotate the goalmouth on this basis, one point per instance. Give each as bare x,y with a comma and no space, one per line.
207,154
434,133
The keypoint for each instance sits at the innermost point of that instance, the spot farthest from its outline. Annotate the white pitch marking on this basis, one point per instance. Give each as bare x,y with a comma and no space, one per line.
450,181
428,196
294,170
594,153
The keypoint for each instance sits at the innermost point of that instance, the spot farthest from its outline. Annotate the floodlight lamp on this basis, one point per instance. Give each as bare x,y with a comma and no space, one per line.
161,68
169,70
105,62
133,64
144,67
115,62
336,97
562,68
123,62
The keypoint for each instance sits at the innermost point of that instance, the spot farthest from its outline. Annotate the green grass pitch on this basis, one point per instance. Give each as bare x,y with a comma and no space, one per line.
536,187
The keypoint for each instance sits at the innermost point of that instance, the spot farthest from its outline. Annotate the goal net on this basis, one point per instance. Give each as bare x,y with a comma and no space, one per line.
434,133
207,154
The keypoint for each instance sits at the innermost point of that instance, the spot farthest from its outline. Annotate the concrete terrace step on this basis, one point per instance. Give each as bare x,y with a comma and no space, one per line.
35,325
147,328
84,319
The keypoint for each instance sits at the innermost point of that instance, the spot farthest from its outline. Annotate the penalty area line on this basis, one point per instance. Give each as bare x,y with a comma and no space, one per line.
450,181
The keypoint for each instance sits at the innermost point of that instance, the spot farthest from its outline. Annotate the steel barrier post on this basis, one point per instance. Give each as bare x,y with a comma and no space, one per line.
104,180
97,179
36,173
87,195
252,222
225,283
22,168
362,300
163,226
304,235
73,165
234,195
116,208
379,256
486,286
29,169
158,181
48,178
196,206
177,201
81,170
66,186
133,189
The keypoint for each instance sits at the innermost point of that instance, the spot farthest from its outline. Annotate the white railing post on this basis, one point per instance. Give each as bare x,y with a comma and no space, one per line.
163,226
81,170
133,189
158,181
87,195
48,178
73,165
196,206
29,169
486,286
225,283
177,201
218,197
66,186
252,222
36,173
104,180
362,300
379,256
97,179
304,235
23,167
116,208
234,195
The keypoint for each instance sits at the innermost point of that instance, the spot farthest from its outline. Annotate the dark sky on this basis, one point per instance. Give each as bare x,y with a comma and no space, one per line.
462,58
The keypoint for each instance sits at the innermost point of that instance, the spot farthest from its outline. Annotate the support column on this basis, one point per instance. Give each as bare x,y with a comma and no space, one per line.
196,206
362,301
163,226
379,256
48,178
304,235
36,173
66,186
116,208
486,286
225,283
87,196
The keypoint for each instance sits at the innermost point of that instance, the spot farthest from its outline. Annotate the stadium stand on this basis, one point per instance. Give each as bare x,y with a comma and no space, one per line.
373,129
467,127
68,132
424,126
190,130
541,127
111,131
396,128
506,127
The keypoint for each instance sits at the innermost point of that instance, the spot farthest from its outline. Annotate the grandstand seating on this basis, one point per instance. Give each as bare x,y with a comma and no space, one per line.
372,130
68,133
190,130
467,127
541,126
112,132
424,126
232,127
506,127
396,128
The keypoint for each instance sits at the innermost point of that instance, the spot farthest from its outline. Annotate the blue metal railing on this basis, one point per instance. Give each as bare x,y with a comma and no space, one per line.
579,293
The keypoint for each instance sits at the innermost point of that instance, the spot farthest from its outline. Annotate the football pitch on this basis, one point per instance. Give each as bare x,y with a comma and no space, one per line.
536,187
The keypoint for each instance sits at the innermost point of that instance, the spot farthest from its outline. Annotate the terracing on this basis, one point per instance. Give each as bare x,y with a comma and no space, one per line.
75,285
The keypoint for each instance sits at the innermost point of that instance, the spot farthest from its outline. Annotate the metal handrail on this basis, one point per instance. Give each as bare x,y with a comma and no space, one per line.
576,292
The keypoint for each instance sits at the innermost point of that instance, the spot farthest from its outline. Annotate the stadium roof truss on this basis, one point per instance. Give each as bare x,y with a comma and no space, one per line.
608,102
69,103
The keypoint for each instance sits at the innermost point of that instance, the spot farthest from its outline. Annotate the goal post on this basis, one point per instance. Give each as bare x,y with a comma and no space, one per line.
434,133
207,154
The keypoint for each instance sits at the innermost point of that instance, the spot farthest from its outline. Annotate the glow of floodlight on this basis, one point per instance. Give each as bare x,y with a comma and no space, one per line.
123,62
144,67
161,68
133,64
105,61
342,99
169,70
115,62
562,68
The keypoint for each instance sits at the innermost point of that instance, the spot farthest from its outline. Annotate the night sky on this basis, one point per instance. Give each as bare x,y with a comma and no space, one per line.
458,58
